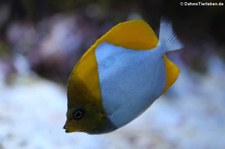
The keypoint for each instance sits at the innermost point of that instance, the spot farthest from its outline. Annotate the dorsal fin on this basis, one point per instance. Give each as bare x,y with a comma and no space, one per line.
134,34
172,72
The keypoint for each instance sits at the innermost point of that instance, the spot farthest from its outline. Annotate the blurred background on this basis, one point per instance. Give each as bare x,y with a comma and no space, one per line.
41,40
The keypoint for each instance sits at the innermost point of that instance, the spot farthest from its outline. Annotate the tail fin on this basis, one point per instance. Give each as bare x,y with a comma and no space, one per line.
167,38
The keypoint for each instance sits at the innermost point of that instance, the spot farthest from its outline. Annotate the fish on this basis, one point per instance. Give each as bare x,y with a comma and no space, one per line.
120,76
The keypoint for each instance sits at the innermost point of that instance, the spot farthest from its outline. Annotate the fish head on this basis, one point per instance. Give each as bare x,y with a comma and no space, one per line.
85,112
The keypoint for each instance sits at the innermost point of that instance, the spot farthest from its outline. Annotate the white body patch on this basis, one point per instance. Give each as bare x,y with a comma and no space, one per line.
130,80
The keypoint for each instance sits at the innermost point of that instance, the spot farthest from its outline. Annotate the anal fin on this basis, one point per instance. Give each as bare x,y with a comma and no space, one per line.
172,72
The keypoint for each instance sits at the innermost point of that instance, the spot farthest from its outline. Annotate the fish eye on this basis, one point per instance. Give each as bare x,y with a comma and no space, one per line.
78,114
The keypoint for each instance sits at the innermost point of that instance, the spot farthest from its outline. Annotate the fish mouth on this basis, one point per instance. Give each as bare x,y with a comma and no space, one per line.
68,131
68,128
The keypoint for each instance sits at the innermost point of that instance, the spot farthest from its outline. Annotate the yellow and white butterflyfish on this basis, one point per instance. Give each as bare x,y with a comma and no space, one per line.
120,76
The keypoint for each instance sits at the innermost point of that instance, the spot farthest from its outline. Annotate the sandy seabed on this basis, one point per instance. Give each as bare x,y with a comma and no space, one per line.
190,115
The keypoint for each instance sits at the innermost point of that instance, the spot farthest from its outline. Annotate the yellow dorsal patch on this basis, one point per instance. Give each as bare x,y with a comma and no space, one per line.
134,34
172,72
